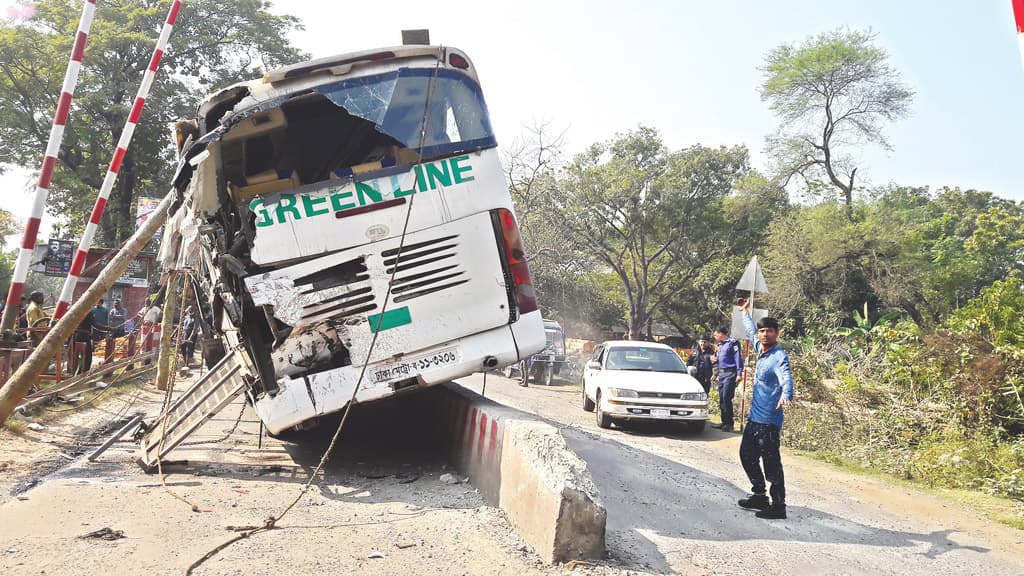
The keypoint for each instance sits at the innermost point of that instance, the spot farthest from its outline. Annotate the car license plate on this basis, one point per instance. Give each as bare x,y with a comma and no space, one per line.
412,367
659,413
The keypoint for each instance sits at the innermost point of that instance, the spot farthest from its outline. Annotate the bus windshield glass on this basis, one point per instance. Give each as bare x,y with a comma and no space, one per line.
397,103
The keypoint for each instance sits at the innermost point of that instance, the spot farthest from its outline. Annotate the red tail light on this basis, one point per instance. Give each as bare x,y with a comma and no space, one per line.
458,61
515,256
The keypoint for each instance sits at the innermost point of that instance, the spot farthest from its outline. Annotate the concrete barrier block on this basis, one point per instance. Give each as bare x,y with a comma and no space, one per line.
548,494
525,467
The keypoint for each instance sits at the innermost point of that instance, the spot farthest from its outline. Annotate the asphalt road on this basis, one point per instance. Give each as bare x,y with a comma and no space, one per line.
671,500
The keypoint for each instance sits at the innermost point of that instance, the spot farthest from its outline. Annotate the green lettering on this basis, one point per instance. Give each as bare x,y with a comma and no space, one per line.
336,197
438,172
264,216
421,183
457,170
309,204
396,185
368,190
286,204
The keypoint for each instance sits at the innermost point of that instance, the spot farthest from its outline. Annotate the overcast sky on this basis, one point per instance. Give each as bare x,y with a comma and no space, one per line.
690,69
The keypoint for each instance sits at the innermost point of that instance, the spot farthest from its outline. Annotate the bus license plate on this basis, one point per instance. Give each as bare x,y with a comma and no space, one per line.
409,368
657,413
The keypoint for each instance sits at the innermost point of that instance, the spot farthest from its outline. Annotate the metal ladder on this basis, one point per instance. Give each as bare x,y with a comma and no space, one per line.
195,406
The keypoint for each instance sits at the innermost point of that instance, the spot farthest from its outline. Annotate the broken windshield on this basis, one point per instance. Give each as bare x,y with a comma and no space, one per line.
456,120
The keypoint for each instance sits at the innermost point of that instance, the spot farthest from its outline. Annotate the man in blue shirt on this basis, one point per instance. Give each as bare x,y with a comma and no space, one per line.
773,391
730,367
102,316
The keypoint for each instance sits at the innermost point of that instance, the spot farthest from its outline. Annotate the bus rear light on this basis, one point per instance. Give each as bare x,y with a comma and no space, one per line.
458,61
515,257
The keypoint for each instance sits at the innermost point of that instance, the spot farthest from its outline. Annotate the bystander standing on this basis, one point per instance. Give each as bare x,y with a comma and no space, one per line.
730,368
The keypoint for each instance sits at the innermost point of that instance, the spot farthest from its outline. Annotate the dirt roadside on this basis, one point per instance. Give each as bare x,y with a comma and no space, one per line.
379,508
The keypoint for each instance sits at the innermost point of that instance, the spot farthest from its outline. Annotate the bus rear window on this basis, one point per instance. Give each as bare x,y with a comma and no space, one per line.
455,121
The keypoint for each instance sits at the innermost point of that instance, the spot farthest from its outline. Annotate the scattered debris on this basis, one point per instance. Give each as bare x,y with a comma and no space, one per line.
37,427
404,545
407,478
104,533
22,498
241,491
101,385
452,479
270,470
376,554
572,564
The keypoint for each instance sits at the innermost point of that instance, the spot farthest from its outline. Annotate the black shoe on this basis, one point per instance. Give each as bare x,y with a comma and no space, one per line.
756,502
722,427
773,512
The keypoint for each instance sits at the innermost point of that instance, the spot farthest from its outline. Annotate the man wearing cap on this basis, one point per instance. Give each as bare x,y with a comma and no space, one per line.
730,367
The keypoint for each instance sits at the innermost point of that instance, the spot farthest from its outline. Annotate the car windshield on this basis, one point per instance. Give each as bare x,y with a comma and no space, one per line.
647,359
555,343
456,120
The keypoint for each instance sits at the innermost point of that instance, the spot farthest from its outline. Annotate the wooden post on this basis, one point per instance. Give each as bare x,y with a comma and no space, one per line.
167,351
15,389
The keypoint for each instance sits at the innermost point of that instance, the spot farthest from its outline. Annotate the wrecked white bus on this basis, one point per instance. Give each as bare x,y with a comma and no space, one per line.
347,201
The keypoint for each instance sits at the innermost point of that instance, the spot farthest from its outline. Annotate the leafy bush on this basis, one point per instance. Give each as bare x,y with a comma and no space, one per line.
942,408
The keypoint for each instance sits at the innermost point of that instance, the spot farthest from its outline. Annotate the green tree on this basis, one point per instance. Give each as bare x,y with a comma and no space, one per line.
8,226
214,44
741,226
646,214
832,92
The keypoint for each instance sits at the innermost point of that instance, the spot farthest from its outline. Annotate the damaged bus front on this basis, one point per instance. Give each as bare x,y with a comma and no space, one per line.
349,221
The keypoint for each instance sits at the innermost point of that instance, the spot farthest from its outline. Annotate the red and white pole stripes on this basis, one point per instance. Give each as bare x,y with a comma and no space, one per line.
78,263
60,119
1018,16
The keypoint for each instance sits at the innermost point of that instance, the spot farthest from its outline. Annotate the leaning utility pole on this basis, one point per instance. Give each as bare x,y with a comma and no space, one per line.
14,391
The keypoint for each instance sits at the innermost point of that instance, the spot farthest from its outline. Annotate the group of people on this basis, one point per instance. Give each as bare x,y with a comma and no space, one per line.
101,322
773,391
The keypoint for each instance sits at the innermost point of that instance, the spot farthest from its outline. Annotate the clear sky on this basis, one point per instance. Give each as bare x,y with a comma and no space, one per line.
689,68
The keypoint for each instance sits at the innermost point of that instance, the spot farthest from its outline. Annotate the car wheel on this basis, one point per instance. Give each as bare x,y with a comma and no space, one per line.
696,427
603,420
588,404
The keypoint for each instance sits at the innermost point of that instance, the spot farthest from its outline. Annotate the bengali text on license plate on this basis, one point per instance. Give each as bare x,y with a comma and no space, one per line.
410,368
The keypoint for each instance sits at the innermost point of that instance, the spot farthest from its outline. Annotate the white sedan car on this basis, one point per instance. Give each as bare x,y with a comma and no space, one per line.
628,380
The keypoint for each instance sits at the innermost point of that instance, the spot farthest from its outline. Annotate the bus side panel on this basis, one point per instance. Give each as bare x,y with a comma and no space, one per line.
326,218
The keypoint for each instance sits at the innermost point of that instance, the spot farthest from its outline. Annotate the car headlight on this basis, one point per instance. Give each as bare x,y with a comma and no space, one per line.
699,396
623,393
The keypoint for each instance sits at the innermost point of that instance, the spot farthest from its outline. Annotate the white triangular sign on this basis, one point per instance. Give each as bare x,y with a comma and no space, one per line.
753,278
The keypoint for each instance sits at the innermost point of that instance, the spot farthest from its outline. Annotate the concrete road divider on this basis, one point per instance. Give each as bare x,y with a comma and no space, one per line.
524,467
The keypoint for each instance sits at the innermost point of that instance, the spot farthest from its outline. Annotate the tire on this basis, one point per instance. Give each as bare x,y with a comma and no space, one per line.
588,404
603,420
696,426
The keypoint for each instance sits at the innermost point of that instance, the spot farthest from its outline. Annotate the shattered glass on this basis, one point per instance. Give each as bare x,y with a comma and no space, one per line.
397,103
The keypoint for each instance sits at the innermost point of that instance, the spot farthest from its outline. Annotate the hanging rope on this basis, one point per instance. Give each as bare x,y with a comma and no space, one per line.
271,521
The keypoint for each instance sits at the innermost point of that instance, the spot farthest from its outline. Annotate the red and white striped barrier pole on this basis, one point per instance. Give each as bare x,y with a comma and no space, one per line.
60,119
1018,16
78,264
